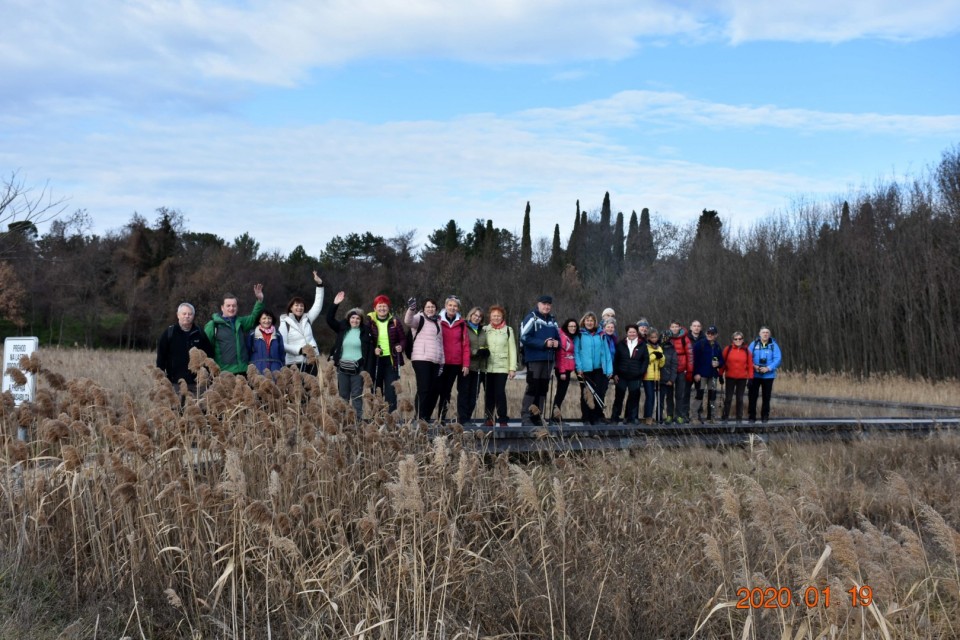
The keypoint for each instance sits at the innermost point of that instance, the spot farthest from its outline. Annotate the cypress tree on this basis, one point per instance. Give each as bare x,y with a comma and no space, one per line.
526,244
632,250
556,252
618,243
647,251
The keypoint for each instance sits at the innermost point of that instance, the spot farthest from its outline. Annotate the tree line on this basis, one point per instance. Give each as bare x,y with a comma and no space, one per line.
868,284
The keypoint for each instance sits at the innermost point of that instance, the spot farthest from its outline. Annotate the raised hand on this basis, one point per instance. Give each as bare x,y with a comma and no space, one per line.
337,299
317,278
258,291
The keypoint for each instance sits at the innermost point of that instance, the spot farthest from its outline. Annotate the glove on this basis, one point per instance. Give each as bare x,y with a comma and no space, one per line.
412,304
658,355
722,379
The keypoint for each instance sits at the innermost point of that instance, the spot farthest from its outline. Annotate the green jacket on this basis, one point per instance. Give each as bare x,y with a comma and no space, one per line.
229,340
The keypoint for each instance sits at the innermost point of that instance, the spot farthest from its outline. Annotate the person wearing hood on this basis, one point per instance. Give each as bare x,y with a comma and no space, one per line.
766,360
265,344
426,354
678,402
352,352
456,355
296,328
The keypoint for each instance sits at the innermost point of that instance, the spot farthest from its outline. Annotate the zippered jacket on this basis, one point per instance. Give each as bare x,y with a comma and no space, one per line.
299,333
229,339
765,355
592,353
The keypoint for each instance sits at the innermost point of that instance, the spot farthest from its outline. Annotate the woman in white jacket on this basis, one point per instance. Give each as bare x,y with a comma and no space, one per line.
297,330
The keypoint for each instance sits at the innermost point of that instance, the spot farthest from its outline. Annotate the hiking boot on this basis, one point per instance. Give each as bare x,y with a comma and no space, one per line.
503,423
488,423
679,420
648,421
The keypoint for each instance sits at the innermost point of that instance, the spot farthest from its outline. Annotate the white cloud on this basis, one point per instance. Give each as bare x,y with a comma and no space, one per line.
150,50
292,185
832,21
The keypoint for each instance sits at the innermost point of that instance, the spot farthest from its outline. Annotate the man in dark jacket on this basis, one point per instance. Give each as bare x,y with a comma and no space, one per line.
707,361
173,348
539,337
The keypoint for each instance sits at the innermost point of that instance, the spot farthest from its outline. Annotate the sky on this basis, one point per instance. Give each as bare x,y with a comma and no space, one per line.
301,120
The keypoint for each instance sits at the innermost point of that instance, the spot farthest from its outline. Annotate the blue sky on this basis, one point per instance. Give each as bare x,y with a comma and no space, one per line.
305,119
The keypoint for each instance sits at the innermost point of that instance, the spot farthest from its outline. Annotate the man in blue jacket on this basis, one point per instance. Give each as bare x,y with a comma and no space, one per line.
766,360
539,337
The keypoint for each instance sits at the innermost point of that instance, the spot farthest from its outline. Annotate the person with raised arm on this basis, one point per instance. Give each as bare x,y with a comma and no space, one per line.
296,328
227,332
352,352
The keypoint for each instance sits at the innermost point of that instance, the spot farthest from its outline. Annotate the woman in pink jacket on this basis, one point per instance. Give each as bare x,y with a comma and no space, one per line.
566,364
426,354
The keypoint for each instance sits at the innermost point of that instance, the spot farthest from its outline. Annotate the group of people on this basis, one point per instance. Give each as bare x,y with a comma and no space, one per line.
479,350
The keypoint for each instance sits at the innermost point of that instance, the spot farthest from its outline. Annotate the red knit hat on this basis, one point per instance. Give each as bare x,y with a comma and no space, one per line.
381,299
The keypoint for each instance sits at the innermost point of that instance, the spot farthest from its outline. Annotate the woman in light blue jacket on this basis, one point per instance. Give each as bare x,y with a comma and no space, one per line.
594,367
766,356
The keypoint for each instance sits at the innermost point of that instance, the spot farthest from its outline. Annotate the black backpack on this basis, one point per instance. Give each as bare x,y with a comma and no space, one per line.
408,347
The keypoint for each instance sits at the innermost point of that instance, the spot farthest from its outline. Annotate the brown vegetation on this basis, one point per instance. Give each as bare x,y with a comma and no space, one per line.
270,513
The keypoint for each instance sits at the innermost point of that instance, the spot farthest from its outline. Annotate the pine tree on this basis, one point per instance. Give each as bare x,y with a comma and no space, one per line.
526,244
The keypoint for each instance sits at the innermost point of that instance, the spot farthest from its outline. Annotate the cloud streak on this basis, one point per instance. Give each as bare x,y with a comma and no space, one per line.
205,52
308,183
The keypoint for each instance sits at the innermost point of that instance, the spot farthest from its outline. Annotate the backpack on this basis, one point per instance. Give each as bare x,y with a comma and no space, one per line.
408,347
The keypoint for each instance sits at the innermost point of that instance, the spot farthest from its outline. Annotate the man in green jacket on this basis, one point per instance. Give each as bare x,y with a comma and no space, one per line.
227,332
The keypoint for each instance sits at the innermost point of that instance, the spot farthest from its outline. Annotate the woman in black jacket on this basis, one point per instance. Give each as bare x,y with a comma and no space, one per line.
352,353
629,365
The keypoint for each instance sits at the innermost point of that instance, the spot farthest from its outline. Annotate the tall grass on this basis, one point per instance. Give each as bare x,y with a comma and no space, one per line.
267,511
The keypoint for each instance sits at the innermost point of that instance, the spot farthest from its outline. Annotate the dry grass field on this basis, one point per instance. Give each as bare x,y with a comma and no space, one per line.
267,512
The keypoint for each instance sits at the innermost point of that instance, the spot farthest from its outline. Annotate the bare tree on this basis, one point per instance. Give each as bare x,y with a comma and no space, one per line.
20,203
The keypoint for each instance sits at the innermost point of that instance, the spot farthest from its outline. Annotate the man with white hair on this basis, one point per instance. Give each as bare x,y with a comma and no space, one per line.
173,348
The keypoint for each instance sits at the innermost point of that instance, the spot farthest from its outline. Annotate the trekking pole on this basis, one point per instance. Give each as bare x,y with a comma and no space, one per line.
548,400
657,409
593,392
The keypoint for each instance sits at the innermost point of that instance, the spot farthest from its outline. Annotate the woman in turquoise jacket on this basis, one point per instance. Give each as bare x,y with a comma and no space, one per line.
594,367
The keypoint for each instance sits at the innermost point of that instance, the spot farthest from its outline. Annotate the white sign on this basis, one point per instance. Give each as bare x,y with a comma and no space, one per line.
13,350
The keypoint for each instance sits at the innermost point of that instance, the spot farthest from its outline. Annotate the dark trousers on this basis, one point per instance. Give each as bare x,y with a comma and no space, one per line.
599,381
734,389
538,383
756,385
495,396
628,390
468,390
448,377
678,397
384,375
653,399
428,387
351,390
706,397
562,385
